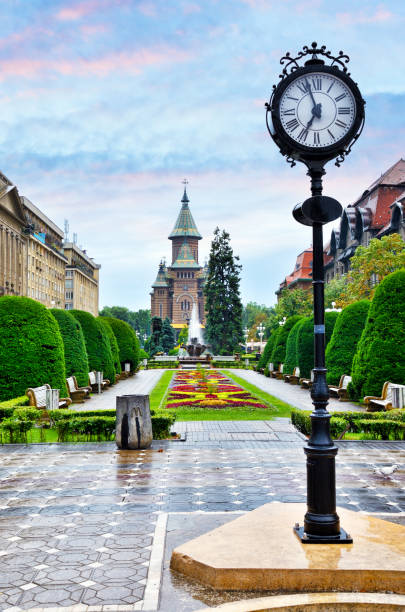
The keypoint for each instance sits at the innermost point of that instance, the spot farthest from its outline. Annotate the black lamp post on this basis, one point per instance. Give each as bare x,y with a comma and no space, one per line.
315,114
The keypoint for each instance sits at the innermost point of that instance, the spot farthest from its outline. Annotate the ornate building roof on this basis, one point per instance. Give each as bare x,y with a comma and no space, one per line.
161,279
185,258
185,224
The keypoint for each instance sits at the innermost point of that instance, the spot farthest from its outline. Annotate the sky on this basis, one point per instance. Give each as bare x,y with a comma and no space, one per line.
106,105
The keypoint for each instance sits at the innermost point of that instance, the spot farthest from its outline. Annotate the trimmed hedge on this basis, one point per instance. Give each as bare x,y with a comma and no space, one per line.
97,344
305,342
76,361
279,350
127,341
343,343
291,356
113,345
268,349
31,347
380,354
386,425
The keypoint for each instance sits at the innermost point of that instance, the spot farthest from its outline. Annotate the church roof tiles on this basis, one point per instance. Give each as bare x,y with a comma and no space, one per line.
185,258
185,224
161,279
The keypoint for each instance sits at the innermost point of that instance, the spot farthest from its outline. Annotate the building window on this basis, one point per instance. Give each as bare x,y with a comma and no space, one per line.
69,283
185,305
68,306
69,273
69,295
160,310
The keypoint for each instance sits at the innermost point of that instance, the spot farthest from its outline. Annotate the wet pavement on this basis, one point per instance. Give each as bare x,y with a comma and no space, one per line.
86,524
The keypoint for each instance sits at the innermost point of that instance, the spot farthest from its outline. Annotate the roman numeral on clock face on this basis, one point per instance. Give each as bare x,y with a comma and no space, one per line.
292,124
344,110
338,98
302,87
340,123
317,84
289,111
303,134
316,138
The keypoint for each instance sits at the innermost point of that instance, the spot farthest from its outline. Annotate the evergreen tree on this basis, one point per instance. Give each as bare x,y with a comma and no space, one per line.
268,349
380,353
279,350
305,342
155,344
346,334
168,339
223,305
291,356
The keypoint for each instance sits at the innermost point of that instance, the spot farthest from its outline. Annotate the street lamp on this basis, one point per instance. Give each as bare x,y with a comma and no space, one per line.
333,309
304,120
145,337
260,331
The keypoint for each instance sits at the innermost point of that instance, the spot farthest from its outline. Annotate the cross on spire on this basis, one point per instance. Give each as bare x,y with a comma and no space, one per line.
185,181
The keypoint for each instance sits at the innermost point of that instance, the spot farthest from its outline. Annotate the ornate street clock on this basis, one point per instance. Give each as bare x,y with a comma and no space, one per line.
316,111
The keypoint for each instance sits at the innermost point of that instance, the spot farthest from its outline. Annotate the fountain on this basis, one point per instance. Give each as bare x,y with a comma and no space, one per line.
195,347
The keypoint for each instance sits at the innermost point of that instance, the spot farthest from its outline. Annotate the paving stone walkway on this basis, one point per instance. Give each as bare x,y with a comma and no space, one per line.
292,394
142,383
84,524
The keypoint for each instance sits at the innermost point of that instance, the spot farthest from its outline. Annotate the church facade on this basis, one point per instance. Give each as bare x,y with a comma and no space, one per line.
180,285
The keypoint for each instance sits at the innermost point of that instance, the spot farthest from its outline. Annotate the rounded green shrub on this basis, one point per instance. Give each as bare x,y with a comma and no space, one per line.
380,353
76,362
291,357
31,348
343,343
113,345
279,350
268,349
305,342
97,344
128,343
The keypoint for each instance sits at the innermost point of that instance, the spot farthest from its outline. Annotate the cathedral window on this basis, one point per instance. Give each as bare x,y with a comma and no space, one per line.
160,310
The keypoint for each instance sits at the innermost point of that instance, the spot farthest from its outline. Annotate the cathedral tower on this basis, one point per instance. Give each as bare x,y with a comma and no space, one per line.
180,285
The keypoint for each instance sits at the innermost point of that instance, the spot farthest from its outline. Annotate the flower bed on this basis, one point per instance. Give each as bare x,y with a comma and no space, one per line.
199,389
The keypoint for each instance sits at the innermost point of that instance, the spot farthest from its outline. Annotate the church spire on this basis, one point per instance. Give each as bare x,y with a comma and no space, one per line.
185,225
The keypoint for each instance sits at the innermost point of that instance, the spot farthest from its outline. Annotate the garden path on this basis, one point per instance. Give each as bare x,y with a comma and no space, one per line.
292,394
142,383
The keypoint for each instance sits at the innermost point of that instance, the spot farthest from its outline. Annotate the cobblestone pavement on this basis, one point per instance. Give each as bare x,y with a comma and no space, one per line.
85,523
292,394
142,383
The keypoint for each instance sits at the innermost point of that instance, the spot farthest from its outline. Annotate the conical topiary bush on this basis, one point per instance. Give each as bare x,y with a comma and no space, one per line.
31,348
279,350
268,349
97,344
305,342
343,343
291,358
380,354
113,345
76,362
127,341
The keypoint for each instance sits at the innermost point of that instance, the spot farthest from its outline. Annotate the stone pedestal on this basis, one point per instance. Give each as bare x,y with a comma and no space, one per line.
133,428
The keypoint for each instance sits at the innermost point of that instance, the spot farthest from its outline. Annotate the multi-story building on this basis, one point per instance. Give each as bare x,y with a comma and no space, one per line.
45,259
81,280
13,241
379,211
179,286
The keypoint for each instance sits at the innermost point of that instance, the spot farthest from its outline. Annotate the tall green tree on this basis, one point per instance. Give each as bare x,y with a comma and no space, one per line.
279,349
168,339
370,265
139,320
294,302
155,343
222,297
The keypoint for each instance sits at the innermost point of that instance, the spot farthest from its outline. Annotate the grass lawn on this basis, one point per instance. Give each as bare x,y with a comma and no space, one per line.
160,390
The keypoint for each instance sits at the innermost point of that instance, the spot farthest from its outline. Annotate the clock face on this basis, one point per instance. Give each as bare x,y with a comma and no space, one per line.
317,110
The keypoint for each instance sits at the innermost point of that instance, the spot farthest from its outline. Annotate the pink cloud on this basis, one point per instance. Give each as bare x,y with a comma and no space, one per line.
148,9
380,15
129,62
87,7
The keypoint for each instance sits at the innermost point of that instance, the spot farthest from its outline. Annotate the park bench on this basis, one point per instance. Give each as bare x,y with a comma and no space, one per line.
293,378
306,383
341,390
37,397
278,373
78,394
93,382
375,404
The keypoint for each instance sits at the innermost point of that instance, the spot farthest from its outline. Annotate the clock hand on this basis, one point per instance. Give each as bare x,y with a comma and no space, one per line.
310,92
316,112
